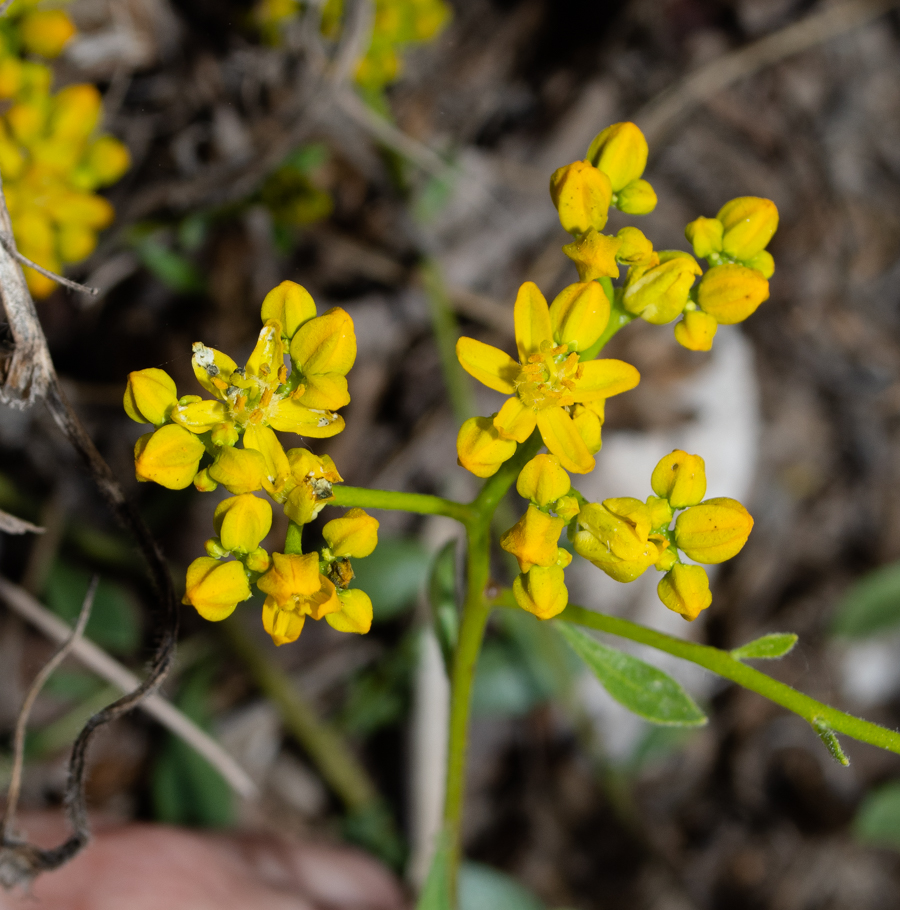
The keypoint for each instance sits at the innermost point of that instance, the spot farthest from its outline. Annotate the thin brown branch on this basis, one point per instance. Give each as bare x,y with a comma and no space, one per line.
666,110
7,823
9,245
11,524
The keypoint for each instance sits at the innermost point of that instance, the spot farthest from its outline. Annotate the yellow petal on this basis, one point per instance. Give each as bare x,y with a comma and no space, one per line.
292,417
588,420
268,355
636,198
326,344
542,591
561,437
150,396
291,575
355,614
215,588
579,314
212,368
284,625
531,316
238,470
730,293
685,589
289,303
200,416
480,448
533,539
515,420
601,379
354,534
170,457
325,390
489,365
680,478
581,194
713,531
621,152
749,224
242,522
594,255
696,330
543,481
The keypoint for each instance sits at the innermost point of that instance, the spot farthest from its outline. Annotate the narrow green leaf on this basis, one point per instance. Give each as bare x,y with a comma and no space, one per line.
636,685
830,741
871,605
442,596
766,648
436,891
483,888
878,819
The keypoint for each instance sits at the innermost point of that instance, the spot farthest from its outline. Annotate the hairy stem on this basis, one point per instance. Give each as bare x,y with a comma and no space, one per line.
420,503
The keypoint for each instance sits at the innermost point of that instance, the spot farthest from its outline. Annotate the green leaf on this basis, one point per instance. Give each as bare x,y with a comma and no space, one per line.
878,820
483,888
307,158
186,789
442,596
436,890
636,685
114,623
871,605
392,576
174,270
830,741
766,648
373,827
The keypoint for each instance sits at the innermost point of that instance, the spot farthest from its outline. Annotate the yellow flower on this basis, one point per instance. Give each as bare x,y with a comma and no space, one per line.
657,291
308,489
547,381
696,330
46,32
680,478
713,531
542,591
533,539
242,522
291,305
685,590
588,419
578,313
170,457
480,447
150,396
615,537
355,614
581,194
215,588
353,535
594,255
637,198
730,293
705,235
107,159
620,151
543,481
635,246
749,223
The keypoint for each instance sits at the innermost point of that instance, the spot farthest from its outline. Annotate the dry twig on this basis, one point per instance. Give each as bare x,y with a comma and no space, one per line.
9,244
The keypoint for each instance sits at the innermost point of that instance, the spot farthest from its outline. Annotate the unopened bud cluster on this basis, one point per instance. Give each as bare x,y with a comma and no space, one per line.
294,382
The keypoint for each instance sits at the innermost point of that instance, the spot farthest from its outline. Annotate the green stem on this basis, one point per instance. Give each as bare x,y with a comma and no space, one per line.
471,633
723,664
293,541
420,503
618,319
446,334
326,748
497,486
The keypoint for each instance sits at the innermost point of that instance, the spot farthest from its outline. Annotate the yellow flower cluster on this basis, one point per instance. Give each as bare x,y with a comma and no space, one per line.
396,25
249,405
51,158
625,536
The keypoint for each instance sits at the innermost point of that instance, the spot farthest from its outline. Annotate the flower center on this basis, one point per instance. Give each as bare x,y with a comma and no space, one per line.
547,380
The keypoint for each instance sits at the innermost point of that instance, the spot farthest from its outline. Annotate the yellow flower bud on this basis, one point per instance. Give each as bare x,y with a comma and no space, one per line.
257,561
204,483
480,449
749,224
238,470
685,590
201,415
10,77
658,293
667,559
616,539
730,293
542,591
581,194
215,588
713,531
150,396
696,330
567,508
661,513
594,255
242,522
170,457
75,242
226,434
637,198
620,151
290,304
635,246
680,478
325,344
76,111
355,614
214,548
705,236
84,209
46,32
533,539
107,159
294,583
283,624
579,314
355,534
762,262
588,420
543,481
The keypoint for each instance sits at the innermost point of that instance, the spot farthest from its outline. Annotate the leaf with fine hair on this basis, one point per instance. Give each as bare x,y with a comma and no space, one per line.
768,647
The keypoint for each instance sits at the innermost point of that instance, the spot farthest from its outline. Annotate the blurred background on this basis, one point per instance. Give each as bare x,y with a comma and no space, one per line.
394,160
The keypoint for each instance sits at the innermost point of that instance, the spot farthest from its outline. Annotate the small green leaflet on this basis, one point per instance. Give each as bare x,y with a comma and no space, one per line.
766,648
830,741
878,819
436,890
483,888
641,688
871,605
